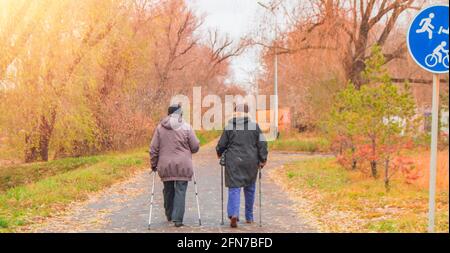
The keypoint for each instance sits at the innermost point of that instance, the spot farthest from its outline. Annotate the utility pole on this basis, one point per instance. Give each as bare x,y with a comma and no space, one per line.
275,78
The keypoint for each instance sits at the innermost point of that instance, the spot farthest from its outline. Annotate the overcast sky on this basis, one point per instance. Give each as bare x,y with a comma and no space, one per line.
236,18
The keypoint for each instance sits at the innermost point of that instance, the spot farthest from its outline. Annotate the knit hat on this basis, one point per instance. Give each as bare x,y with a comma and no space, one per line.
174,109
241,108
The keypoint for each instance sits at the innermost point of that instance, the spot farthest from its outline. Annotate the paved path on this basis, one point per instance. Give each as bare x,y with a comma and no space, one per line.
124,207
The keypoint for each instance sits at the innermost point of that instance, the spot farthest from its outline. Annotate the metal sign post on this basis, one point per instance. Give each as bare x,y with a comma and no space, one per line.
433,158
428,44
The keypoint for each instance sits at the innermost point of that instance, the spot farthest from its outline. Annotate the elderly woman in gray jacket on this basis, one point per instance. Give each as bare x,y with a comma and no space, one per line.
171,150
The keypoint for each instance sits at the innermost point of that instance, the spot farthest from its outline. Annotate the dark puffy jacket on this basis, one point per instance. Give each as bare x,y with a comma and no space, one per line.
171,149
244,149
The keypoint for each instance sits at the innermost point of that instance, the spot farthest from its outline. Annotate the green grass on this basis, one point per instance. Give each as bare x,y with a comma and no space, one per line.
23,204
16,175
320,174
207,136
330,187
299,143
383,226
3,223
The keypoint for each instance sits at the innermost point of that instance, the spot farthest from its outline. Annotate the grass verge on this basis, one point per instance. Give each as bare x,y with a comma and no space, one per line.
25,204
16,175
296,142
207,136
347,201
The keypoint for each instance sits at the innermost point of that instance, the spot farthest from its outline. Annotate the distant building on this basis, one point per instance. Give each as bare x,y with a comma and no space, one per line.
284,119
423,96
426,114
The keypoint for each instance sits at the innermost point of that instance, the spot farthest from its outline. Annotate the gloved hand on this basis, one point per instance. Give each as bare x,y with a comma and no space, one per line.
222,160
262,164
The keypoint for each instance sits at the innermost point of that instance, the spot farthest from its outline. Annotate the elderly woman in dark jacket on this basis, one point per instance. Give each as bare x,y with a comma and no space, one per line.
245,151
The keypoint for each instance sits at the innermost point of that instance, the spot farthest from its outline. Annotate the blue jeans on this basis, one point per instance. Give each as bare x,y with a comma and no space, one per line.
234,201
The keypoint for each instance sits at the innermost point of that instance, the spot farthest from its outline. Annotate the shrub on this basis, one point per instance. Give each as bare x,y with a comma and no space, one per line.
372,124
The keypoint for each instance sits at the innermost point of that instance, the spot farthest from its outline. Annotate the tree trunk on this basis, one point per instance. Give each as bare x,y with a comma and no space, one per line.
373,167
357,64
31,152
354,161
45,132
354,164
355,75
44,141
373,163
386,175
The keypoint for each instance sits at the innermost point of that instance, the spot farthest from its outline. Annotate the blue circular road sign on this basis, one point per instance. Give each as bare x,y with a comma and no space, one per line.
428,39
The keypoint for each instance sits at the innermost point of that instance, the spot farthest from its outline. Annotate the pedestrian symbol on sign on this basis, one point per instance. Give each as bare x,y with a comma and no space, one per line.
428,39
426,26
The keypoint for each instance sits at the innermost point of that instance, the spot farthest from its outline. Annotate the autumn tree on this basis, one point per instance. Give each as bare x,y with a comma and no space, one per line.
44,67
90,76
323,44
350,28
16,29
375,121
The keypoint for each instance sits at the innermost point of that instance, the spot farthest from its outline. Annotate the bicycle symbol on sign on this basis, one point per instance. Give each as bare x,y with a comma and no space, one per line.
428,39
436,57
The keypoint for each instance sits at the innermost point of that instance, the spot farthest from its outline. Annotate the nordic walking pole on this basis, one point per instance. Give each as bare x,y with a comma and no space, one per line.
260,198
151,201
222,171
196,197
222,168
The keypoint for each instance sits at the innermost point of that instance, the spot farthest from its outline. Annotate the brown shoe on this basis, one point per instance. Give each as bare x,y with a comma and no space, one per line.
233,222
249,222
179,224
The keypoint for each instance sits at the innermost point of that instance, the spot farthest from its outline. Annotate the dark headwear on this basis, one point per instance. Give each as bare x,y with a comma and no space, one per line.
174,109
241,108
